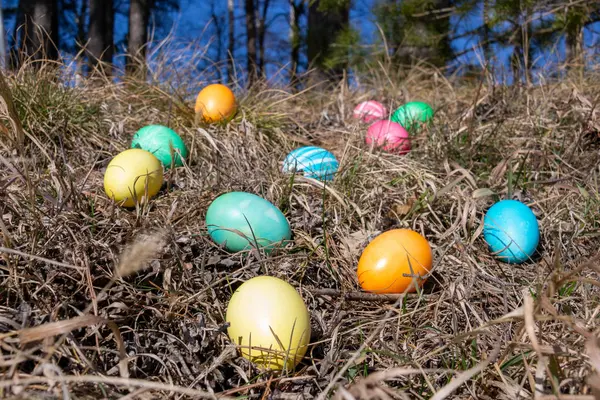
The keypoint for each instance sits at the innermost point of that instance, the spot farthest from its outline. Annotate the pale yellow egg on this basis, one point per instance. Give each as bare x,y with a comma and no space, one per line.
270,321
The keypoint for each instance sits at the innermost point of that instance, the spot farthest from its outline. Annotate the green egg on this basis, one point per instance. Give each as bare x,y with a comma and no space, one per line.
411,115
240,221
157,140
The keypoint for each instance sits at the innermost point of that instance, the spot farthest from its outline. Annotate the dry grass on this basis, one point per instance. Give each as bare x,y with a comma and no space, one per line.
98,301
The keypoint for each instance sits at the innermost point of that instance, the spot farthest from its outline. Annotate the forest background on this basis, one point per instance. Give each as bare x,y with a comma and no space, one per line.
523,40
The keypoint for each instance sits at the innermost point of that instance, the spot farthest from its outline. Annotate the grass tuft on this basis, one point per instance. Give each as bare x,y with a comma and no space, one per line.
73,262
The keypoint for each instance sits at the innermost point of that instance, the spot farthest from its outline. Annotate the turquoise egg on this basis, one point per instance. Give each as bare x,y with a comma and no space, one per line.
239,220
157,140
313,162
511,231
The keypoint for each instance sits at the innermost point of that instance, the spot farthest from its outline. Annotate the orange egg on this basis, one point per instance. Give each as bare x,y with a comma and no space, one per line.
389,262
215,103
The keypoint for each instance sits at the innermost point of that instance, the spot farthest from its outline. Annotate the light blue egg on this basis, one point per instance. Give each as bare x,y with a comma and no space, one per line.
313,162
511,231
240,220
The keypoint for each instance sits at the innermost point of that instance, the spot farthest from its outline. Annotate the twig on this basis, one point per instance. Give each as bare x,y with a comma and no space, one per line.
356,296
376,377
259,384
111,381
57,263
566,397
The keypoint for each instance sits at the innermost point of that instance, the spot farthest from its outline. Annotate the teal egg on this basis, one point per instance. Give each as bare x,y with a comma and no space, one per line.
412,114
157,139
240,220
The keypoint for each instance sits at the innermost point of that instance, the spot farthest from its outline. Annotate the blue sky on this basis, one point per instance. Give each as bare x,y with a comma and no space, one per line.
193,23
193,18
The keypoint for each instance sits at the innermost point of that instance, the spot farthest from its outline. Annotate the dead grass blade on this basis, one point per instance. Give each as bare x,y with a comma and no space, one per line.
51,329
528,313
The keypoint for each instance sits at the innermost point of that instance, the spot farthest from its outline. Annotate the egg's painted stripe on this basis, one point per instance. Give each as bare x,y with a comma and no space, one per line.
297,163
317,159
305,151
308,158
291,160
315,154
329,167
314,164
307,155
322,165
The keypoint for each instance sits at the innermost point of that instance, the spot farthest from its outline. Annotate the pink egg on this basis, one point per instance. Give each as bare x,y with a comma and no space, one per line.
369,111
389,135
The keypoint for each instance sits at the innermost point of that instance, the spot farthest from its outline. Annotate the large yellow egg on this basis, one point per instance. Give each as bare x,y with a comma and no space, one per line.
128,175
270,321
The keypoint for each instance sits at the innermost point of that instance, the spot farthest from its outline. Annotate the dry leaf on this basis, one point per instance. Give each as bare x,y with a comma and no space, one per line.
483,192
353,243
403,209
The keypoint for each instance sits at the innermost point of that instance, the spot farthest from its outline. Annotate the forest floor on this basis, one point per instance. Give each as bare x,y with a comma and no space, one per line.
142,293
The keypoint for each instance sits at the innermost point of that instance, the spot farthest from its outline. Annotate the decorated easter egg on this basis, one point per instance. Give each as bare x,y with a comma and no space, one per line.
270,322
369,111
158,140
396,261
312,162
241,221
215,103
413,114
134,175
511,231
388,135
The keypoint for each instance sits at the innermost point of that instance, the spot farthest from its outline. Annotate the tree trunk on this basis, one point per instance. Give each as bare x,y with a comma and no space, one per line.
139,15
219,31
324,25
487,53
100,34
81,22
296,11
261,38
575,18
525,44
2,40
40,35
230,44
251,40
573,48
15,53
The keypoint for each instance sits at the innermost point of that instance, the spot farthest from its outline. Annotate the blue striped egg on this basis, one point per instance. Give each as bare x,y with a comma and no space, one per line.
312,162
